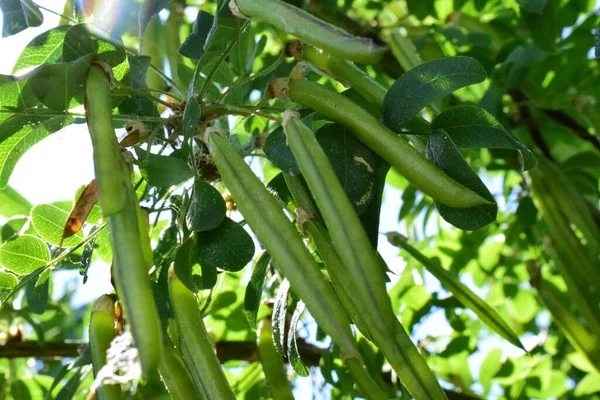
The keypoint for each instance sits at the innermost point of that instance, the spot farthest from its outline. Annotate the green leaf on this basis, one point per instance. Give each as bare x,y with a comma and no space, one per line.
421,8
12,227
8,280
55,85
191,117
49,221
241,56
372,215
70,388
489,368
353,162
150,8
193,46
279,189
428,82
138,104
18,15
37,292
278,152
292,345
79,41
163,171
16,93
590,384
255,287
221,33
138,71
228,247
442,151
86,256
207,208
463,294
45,48
19,133
279,316
24,254
545,27
20,390
473,127
534,6
12,203
193,275
523,307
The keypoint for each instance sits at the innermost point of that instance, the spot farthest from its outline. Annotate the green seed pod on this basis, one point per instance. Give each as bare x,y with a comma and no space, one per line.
280,238
176,375
272,363
144,236
102,333
364,278
311,29
406,159
116,194
197,349
340,69
111,186
153,45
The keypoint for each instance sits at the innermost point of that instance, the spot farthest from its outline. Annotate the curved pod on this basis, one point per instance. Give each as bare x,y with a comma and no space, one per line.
102,333
311,29
196,346
119,206
406,159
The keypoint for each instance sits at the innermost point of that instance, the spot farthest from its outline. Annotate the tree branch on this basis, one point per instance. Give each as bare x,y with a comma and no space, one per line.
226,351
566,120
534,130
34,349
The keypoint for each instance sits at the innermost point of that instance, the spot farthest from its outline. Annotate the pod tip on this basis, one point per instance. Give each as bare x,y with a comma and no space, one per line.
295,49
104,303
279,88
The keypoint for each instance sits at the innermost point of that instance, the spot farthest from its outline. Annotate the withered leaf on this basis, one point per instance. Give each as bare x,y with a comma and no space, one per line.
81,210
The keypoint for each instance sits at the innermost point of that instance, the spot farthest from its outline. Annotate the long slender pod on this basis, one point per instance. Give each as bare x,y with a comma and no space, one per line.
196,346
340,218
309,221
311,29
176,376
406,159
577,267
344,288
463,294
571,203
361,262
351,76
119,206
576,334
280,238
340,69
275,374
102,333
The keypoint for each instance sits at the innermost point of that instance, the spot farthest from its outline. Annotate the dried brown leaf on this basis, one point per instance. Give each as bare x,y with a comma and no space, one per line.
80,212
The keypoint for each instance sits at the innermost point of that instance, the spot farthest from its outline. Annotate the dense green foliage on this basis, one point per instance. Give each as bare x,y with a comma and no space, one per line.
240,208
